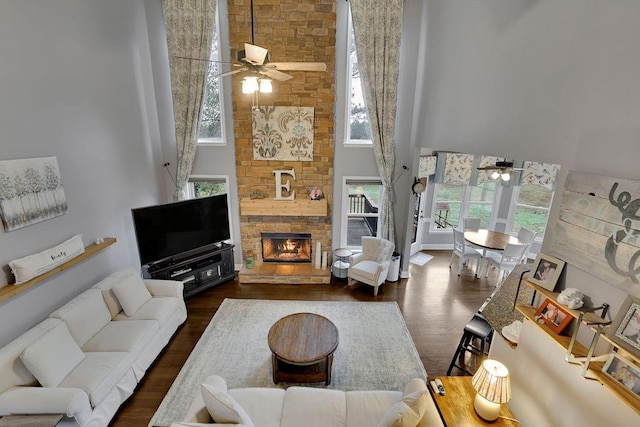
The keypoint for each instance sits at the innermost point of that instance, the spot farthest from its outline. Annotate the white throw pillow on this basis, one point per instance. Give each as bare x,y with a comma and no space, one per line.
25,269
407,412
132,293
222,407
51,358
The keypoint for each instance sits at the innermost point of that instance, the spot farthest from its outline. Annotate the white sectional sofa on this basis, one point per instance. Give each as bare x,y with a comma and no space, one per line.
87,357
310,407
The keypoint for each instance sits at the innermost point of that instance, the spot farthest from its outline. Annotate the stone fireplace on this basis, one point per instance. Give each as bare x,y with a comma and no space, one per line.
286,247
310,37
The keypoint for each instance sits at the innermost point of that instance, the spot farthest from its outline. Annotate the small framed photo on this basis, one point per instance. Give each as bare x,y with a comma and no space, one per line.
625,328
553,316
315,193
546,271
624,372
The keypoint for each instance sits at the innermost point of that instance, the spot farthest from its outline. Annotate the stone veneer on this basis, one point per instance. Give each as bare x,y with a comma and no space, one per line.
292,31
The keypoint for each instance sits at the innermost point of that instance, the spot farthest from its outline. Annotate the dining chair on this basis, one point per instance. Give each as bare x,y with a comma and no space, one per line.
462,250
471,224
506,260
526,236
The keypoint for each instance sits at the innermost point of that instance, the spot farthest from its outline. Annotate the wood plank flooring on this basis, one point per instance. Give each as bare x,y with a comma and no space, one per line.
434,301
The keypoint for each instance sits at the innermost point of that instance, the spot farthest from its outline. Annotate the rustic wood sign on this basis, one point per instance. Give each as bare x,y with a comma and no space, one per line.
599,228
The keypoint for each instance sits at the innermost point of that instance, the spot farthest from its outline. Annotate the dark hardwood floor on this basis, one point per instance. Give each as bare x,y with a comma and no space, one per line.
435,303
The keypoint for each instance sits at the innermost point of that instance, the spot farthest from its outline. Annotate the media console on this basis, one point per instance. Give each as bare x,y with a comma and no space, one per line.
197,272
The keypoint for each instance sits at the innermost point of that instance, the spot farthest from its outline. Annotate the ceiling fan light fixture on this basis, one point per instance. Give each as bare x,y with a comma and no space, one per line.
249,84
505,176
265,86
495,175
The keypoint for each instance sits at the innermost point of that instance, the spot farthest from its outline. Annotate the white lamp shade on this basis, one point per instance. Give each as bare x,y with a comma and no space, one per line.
505,176
265,86
495,175
491,382
249,84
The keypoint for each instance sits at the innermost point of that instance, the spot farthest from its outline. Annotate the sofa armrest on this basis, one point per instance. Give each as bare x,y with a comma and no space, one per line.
164,288
72,402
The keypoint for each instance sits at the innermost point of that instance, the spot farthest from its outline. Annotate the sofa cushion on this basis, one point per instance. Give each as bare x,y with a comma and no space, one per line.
157,308
131,292
98,374
367,408
408,411
262,404
84,315
222,407
314,407
53,356
366,268
106,286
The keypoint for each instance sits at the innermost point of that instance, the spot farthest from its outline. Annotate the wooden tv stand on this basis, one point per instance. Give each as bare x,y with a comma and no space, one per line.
198,272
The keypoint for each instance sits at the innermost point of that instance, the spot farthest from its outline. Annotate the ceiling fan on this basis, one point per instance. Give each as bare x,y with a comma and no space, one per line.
256,61
501,169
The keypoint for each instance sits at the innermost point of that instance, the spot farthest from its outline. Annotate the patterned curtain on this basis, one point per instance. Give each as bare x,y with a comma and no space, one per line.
189,25
377,26
458,168
427,166
540,174
485,175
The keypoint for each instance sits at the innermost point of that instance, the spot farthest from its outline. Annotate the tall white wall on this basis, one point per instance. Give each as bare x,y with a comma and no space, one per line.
538,80
76,83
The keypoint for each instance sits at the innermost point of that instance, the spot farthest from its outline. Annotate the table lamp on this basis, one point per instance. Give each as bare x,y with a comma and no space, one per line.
492,385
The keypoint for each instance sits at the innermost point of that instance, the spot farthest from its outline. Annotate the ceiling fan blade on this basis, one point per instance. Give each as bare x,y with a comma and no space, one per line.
230,73
275,74
298,66
255,54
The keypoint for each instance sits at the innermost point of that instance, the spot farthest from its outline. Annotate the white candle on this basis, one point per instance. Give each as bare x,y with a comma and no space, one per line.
324,259
318,253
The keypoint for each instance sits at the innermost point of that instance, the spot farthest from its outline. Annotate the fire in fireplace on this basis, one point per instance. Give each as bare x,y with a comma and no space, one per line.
286,247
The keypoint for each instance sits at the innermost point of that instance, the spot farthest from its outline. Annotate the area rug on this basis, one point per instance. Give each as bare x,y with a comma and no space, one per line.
375,350
420,258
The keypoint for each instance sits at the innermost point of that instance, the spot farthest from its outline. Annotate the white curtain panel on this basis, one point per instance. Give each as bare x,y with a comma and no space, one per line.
189,25
377,26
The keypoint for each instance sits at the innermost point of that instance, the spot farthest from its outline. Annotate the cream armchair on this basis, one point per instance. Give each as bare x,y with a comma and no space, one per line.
372,264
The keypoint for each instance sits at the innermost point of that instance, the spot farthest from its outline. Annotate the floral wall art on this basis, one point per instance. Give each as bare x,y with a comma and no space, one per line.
283,133
30,191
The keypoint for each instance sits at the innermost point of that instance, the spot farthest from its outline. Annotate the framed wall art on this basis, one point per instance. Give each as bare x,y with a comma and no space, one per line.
553,316
625,328
546,271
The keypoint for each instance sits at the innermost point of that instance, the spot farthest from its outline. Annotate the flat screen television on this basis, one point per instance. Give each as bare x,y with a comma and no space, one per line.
175,231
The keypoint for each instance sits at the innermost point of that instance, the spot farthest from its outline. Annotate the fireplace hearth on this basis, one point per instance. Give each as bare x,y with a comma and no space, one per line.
286,247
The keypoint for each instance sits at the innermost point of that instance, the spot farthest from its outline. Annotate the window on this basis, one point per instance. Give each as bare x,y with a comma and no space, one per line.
210,126
359,127
360,210
205,186
532,208
455,201
480,203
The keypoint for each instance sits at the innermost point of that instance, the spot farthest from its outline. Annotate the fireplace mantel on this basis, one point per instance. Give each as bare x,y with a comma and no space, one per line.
270,207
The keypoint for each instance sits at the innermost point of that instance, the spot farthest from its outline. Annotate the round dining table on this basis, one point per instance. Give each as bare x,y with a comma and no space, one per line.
489,239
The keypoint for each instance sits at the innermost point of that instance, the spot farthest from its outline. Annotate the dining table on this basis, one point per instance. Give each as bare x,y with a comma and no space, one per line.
489,240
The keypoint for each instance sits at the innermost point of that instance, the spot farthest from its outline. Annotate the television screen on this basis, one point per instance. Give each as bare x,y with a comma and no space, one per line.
180,229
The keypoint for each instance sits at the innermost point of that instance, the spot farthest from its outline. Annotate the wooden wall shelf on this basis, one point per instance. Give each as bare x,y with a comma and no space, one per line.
270,207
9,291
597,325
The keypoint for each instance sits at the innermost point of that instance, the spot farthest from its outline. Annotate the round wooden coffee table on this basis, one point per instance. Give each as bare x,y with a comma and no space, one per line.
302,347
